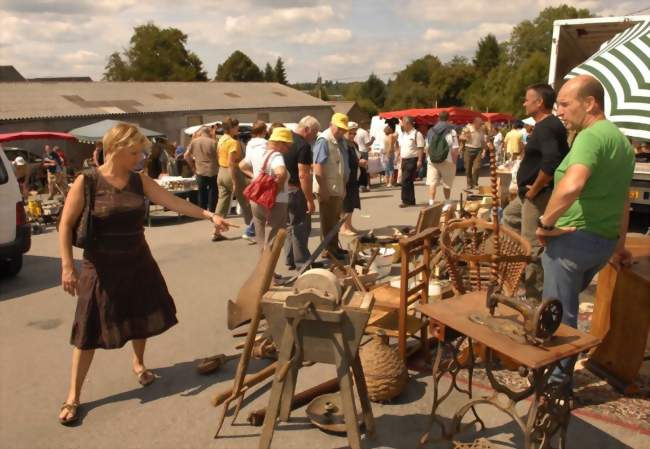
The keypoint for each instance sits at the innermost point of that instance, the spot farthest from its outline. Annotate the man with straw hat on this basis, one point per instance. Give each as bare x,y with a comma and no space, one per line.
330,172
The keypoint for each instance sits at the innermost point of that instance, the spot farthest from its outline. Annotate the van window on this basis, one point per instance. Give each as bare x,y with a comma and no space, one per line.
4,176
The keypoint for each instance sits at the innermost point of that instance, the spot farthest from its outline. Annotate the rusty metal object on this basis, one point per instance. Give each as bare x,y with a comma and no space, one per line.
385,372
326,413
256,418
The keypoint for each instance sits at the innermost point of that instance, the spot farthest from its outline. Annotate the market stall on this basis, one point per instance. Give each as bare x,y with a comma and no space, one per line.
185,188
94,132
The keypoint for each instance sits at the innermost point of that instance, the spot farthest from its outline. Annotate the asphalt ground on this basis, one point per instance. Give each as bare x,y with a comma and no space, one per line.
175,412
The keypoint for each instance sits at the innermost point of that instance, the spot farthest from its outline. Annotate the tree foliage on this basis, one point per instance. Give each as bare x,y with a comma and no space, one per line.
280,72
535,36
155,54
269,74
487,54
495,79
238,67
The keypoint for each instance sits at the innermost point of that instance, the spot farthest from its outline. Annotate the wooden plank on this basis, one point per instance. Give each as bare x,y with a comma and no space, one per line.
455,312
621,315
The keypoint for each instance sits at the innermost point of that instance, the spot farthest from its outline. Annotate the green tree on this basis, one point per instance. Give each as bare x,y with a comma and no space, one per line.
536,35
116,68
373,89
238,67
269,74
155,54
448,83
487,54
280,72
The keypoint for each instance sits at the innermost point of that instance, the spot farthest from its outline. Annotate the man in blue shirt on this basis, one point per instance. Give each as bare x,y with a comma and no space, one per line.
331,171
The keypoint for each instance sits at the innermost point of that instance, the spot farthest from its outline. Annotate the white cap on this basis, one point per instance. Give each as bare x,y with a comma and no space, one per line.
353,125
19,160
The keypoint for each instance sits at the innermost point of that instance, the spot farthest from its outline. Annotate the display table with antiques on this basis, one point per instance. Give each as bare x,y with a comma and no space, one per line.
621,318
549,411
185,188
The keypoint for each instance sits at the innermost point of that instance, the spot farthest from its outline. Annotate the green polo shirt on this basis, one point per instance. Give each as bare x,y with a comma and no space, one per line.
610,157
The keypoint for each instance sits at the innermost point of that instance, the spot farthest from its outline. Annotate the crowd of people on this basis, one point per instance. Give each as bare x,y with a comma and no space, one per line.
567,205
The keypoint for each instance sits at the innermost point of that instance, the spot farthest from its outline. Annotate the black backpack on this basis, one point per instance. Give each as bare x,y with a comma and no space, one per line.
438,145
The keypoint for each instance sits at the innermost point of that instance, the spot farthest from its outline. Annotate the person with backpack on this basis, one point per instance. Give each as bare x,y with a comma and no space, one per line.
442,152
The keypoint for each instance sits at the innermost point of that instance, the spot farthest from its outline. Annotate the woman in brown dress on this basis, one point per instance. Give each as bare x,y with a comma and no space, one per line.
122,296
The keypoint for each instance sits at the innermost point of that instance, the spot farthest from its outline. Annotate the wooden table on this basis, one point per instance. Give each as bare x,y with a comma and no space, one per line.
621,318
549,412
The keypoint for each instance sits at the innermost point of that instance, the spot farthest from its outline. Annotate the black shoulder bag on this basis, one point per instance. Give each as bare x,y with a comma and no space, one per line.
82,231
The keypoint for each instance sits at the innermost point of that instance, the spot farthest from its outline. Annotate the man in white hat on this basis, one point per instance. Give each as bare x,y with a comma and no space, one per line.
21,169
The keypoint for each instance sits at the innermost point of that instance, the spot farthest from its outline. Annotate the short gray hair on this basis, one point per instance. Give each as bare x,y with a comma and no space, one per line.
309,122
408,119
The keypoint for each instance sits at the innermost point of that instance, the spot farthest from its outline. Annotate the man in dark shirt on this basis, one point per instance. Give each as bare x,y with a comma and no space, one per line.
298,161
55,179
544,151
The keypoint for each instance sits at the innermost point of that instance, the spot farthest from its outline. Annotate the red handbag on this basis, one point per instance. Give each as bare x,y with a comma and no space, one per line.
263,189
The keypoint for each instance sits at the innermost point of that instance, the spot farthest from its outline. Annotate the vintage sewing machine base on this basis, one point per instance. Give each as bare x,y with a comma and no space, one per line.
548,416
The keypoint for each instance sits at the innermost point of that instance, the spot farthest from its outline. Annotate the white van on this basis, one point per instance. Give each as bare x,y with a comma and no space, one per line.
15,233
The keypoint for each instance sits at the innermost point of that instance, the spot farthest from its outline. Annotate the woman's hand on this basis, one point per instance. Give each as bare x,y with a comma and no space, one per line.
70,280
221,224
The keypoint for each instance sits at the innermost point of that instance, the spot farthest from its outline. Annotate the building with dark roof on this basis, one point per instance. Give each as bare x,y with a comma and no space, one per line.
168,107
352,110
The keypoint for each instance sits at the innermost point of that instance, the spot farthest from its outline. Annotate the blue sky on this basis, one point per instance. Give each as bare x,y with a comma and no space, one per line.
340,41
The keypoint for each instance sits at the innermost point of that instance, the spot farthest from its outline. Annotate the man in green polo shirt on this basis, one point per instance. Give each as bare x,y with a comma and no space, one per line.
586,218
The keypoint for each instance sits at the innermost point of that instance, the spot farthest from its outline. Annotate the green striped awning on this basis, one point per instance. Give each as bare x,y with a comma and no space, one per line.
622,65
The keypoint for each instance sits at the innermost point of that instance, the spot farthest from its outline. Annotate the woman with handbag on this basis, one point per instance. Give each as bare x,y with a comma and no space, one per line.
121,294
268,192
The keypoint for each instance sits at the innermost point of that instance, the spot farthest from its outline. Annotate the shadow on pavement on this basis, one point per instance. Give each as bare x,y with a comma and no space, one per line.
178,379
38,273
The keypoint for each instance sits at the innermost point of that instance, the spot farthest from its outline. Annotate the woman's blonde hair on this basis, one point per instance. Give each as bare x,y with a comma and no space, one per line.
122,136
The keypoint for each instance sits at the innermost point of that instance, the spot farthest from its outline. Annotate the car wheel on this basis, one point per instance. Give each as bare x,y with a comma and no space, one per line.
11,267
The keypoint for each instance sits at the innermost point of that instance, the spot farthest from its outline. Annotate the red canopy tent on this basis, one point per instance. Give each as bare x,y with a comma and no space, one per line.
8,137
499,117
457,115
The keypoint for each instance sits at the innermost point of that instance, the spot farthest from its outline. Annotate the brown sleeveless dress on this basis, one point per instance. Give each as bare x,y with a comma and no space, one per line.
122,294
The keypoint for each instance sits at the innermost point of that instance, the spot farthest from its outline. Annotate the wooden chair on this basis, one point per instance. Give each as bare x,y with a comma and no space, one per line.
392,311
470,252
429,217
472,257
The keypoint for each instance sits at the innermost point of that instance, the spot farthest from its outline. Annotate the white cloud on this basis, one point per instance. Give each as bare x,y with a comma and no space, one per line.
339,59
277,19
322,37
81,57
472,11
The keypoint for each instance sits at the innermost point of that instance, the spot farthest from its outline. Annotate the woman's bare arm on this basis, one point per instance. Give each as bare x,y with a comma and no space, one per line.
246,168
280,174
74,204
162,197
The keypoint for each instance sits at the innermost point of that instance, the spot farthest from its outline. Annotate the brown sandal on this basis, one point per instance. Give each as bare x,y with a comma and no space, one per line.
73,413
145,377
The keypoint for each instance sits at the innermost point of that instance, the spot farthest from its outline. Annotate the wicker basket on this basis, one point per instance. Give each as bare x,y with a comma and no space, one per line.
384,370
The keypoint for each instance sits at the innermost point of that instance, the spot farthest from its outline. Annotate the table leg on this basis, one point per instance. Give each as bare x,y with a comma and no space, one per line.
550,412
453,367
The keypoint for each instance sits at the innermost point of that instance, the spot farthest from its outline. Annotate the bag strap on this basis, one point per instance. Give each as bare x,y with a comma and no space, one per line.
90,181
266,160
